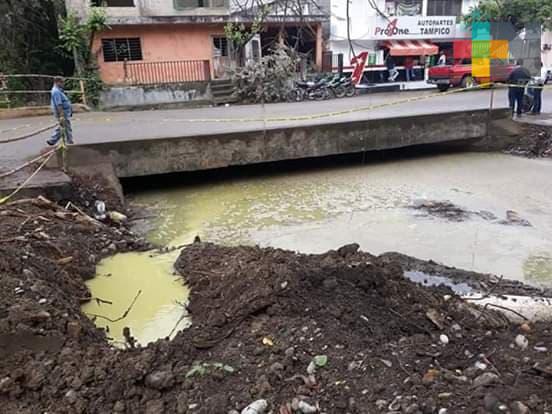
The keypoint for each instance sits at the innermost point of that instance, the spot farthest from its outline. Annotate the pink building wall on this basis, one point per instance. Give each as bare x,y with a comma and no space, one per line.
169,42
160,43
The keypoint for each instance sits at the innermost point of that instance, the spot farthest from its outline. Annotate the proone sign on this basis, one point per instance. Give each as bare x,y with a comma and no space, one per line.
414,27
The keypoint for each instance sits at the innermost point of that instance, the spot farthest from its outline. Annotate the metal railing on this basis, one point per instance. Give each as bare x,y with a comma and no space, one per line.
28,89
177,71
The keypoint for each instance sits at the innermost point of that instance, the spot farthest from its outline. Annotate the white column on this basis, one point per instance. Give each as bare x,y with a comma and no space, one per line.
424,7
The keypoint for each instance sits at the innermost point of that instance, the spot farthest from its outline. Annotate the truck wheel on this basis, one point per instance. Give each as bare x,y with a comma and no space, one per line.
468,82
442,87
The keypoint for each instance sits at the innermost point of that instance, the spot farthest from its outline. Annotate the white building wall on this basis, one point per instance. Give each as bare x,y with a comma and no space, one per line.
362,18
146,8
547,54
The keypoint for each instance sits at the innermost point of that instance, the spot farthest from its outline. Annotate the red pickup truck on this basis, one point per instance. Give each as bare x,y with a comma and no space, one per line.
460,74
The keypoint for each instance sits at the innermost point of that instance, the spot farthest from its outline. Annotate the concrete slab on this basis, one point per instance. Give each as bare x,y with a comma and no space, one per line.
53,183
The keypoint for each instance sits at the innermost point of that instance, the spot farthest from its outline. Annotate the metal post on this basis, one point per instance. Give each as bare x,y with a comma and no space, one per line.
490,115
83,92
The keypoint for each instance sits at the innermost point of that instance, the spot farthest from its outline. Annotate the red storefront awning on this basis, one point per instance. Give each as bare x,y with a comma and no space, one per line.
411,47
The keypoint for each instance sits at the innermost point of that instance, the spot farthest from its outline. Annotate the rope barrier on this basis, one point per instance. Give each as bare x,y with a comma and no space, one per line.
19,168
14,192
36,75
333,113
29,135
353,110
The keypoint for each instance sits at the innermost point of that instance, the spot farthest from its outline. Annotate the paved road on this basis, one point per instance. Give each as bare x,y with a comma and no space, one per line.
121,126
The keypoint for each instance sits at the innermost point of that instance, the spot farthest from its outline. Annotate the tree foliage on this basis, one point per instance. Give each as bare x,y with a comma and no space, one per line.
267,80
520,13
29,40
77,36
239,33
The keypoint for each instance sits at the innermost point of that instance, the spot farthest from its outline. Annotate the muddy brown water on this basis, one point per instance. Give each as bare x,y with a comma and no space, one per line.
315,210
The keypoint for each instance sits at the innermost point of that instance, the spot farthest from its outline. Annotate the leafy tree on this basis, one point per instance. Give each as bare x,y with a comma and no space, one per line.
77,36
520,13
29,40
238,34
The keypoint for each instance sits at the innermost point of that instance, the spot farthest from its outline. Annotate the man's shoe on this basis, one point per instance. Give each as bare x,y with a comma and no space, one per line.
50,143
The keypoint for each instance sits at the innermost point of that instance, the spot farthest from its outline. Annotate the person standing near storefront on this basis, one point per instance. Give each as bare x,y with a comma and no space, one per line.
409,69
442,59
391,69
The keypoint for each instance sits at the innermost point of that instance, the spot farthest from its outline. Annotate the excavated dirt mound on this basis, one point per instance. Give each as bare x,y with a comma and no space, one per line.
341,331
535,142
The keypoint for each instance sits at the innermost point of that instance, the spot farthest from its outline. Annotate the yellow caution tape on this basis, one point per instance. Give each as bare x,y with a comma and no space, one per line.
351,110
14,192
62,146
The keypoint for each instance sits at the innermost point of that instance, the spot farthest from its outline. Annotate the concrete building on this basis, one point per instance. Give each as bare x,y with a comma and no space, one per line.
161,41
546,43
406,29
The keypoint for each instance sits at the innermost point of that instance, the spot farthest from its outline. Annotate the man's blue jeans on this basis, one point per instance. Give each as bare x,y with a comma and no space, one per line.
56,135
537,100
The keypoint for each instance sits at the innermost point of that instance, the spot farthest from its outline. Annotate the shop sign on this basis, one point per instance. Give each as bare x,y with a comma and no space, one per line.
414,27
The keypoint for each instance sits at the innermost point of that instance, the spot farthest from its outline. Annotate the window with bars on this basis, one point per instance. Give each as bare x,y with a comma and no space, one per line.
221,43
190,4
112,3
403,7
121,49
444,7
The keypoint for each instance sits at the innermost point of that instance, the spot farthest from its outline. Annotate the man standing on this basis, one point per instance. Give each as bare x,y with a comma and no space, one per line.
409,68
442,59
391,69
62,110
518,79
537,90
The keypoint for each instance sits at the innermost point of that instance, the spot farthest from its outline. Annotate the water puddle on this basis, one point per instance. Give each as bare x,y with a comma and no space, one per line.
425,279
314,211
158,310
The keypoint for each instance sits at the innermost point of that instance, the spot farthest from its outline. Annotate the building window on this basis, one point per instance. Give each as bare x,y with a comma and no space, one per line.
121,49
112,3
403,7
444,7
221,43
191,4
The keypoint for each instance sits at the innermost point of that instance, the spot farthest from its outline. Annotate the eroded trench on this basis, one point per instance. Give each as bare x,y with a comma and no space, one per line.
483,212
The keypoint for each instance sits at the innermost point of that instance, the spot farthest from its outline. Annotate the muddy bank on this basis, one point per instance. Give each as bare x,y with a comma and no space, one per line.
534,142
343,332
478,282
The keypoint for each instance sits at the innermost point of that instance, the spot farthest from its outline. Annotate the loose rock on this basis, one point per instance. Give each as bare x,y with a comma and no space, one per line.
485,379
256,407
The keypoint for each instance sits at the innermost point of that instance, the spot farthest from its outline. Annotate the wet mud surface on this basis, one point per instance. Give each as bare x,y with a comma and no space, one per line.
343,332
451,212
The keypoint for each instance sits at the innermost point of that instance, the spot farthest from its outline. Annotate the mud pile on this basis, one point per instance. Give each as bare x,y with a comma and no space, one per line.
341,332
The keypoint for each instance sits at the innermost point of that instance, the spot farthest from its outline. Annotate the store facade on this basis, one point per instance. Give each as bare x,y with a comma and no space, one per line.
405,36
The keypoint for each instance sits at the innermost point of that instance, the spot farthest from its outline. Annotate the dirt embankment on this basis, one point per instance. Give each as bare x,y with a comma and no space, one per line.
535,142
342,332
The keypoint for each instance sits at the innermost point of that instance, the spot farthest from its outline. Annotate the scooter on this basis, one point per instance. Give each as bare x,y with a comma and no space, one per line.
313,90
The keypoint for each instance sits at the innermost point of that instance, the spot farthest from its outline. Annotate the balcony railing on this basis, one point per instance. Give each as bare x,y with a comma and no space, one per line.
177,71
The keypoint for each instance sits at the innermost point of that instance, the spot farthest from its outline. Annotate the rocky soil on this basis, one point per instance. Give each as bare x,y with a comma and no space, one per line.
341,332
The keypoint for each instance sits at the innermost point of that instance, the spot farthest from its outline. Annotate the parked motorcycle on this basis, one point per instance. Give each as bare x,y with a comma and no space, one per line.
313,90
